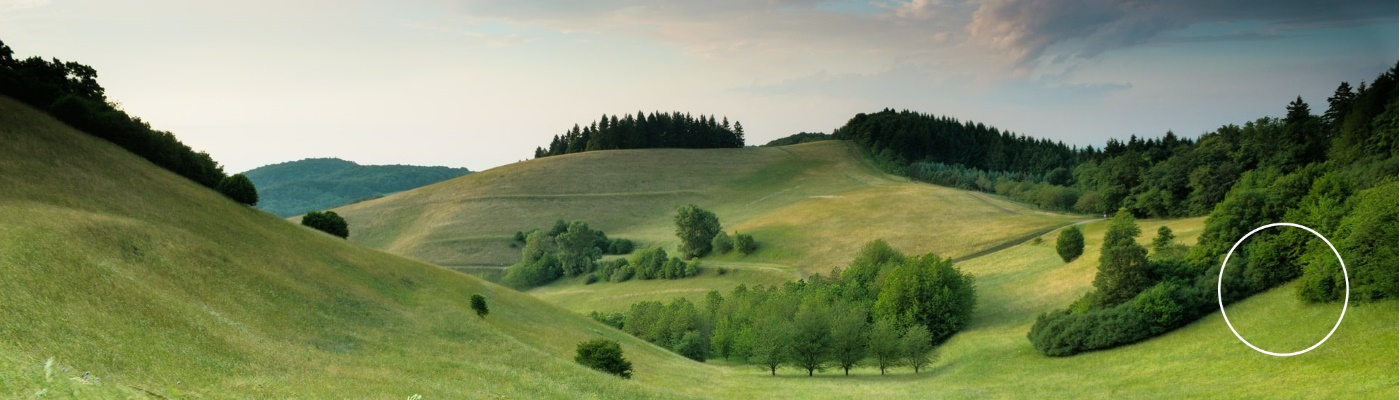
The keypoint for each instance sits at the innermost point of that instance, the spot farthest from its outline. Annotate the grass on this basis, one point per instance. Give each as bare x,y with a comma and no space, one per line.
788,197
118,270
159,287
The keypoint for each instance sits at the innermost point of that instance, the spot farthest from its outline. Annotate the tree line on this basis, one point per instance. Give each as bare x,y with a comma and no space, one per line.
883,310
647,131
1154,177
69,92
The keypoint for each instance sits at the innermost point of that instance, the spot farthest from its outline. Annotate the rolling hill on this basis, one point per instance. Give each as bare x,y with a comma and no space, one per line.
791,198
157,287
136,282
292,188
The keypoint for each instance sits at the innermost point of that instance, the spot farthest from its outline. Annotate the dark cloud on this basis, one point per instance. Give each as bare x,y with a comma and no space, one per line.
1030,29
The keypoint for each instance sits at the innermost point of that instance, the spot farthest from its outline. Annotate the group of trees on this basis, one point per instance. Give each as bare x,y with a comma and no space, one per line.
700,234
884,310
1155,177
655,130
798,138
328,222
69,92
566,250
652,263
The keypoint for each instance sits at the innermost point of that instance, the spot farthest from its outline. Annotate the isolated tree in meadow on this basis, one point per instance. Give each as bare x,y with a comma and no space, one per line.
326,221
479,305
884,345
695,227
1123,268
917,347
604,355
848,336
240,189
1070,244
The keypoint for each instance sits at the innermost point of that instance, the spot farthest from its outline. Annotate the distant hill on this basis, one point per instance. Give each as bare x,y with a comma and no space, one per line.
293,188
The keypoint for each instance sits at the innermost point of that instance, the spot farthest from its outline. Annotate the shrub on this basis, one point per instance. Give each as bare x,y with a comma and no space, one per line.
1070,244
479,305
721,244
693,346
744,243
326,221
604,355
620,246
239,189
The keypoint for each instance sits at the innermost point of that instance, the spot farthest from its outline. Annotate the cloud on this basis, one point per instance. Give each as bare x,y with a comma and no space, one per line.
1030,30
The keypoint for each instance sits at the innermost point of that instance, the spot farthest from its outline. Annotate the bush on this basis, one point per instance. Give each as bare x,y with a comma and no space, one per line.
693,346
1070,244
604,355
328,222
721,244
239,189
620,246
479,305
744,243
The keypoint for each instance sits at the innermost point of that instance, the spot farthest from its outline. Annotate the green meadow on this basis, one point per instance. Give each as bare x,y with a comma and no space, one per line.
122,280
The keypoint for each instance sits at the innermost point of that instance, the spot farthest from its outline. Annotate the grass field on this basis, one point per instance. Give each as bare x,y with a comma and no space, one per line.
158,288
789,197
155,286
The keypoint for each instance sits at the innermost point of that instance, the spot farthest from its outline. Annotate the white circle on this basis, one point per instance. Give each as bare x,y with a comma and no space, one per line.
1220,284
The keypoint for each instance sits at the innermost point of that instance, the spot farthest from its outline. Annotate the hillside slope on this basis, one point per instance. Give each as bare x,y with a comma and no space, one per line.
790,197
295,187
124,272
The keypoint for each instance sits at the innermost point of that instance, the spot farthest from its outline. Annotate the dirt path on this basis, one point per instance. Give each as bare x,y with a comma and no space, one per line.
1017,240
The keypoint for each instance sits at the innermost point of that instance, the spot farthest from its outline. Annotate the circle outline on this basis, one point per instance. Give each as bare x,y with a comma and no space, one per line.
1220,282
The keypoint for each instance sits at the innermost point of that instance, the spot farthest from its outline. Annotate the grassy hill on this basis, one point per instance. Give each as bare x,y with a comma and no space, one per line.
791,198
124,272
295,187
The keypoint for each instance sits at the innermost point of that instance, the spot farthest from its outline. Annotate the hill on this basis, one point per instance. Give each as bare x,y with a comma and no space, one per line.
295,187
137,282
791,198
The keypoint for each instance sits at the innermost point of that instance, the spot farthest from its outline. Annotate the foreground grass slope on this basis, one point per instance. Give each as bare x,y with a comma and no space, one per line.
790,197
124,272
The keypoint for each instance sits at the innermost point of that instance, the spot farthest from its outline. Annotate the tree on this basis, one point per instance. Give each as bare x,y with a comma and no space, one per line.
884,345
695,227
721,244
917,347
848,337
744,243
1070,244
604,355
769,339
578,248
240,189
1123,269
693,345
328,222
928,291
479,305
811,338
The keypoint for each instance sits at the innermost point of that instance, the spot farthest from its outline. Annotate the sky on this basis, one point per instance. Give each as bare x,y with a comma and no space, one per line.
479,84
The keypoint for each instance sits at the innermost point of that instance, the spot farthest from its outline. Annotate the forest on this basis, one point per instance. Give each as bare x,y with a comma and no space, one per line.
647,131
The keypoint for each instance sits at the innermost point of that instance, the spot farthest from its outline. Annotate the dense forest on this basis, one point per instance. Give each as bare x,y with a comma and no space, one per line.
649,131
885,309
69,91
295,187
1155,177
799,138
1335,173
